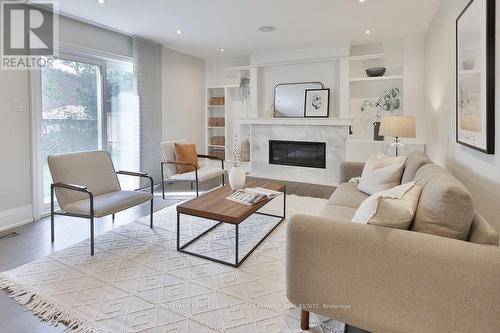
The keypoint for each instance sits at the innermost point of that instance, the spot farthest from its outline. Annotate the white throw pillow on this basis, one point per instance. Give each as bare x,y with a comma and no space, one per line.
381,173
394,208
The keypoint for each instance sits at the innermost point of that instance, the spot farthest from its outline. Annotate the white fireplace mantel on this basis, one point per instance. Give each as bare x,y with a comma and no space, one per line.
296,121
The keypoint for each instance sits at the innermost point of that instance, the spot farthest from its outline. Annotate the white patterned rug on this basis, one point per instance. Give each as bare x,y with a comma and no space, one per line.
138,282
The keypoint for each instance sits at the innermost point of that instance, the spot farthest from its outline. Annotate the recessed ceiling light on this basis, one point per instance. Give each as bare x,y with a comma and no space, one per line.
179,31
368,32
221,50
361,1
101,2
266,28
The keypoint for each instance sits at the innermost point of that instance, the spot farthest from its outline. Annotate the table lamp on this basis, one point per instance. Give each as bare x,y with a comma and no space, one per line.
398,127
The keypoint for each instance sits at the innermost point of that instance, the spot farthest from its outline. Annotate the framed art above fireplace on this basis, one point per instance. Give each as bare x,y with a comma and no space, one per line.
289,98
475,75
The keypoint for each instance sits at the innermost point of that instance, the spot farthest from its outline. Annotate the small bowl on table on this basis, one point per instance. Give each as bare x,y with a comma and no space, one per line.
376,71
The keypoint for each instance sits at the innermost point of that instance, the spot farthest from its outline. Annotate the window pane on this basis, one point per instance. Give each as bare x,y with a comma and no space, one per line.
70,111
122,106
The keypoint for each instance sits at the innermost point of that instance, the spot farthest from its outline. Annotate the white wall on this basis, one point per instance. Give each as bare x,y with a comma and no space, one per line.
478,171
183,95
15,163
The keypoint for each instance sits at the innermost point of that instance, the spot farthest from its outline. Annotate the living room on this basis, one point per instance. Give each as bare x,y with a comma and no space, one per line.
250,166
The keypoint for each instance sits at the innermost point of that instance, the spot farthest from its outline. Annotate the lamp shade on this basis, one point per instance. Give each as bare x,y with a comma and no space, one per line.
398,126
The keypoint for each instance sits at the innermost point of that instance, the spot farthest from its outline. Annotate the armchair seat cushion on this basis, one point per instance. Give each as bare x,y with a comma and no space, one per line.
109,203
204,173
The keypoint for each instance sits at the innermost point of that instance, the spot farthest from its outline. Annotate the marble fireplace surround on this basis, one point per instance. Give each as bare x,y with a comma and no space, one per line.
332,133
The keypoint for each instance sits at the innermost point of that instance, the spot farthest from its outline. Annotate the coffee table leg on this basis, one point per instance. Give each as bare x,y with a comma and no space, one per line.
178,230
237,241
284,203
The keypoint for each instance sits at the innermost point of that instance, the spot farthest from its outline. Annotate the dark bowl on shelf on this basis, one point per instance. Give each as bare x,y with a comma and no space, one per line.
375,71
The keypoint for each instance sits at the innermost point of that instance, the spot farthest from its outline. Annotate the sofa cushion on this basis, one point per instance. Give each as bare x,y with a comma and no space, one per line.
394,208
347,195
381,173
445,207
338,213
415,161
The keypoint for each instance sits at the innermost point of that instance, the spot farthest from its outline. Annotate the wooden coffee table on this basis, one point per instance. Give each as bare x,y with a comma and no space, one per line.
214,206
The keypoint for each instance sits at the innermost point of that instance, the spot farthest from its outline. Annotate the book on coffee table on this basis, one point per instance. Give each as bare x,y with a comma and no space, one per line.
253,195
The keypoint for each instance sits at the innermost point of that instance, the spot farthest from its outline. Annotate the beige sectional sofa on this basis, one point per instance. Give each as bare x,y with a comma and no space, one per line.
443,275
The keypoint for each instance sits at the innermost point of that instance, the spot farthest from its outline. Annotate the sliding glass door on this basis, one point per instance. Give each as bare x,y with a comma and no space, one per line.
84,103
71,114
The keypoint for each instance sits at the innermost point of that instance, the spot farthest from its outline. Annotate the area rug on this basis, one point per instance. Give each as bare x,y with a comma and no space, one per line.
138,282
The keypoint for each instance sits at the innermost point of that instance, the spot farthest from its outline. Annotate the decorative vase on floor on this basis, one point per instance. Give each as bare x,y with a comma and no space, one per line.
237,177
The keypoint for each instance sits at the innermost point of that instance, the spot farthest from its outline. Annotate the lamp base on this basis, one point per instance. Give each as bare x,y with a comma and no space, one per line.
396,148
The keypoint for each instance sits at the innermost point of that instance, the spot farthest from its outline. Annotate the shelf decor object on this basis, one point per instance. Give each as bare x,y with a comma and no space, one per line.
398,127
244,90
216,122
376,132
216,101
388,103
217,140
475,90
289,101
376,71
317,103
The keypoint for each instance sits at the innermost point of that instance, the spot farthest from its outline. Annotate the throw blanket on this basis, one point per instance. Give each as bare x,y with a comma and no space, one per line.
368,208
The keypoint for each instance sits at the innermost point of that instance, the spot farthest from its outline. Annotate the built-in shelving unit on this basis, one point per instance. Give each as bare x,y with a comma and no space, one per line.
363,88
216,121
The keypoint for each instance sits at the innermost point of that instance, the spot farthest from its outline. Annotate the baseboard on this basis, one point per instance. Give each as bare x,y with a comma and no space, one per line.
16,217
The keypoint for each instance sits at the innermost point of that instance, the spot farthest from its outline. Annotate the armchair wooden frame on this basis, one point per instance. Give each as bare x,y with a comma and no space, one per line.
84,189
194,168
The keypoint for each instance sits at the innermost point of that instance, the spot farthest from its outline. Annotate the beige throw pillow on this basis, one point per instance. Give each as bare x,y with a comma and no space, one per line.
394,208
381,173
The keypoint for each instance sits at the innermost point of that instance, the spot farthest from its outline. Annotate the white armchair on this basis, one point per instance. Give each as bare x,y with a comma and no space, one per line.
169,170
86,186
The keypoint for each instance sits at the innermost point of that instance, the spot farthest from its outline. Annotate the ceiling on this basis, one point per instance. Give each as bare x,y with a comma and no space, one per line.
209,25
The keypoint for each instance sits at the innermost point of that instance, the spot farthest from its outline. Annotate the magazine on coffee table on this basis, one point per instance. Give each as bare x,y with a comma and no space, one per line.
252,196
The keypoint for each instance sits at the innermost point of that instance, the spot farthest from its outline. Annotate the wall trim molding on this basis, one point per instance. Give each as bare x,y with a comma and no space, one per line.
16,217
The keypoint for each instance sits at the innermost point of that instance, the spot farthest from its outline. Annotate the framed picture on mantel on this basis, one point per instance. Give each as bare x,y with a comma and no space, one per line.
475,73
317,103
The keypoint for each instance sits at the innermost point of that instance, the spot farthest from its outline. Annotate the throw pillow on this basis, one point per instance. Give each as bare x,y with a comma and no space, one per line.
381,173
394,208
186,153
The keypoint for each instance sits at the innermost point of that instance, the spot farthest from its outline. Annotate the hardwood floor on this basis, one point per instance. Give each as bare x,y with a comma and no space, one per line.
33,242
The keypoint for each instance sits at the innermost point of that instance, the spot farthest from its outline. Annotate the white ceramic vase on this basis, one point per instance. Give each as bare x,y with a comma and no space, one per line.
237,177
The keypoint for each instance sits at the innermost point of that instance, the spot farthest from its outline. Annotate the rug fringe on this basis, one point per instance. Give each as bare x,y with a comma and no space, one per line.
50,312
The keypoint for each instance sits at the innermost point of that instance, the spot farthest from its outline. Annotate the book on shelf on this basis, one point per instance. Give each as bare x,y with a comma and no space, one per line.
253,195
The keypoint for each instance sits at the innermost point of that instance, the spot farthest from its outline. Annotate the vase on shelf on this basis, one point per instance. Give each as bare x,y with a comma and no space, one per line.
237,178
245,150
376,131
